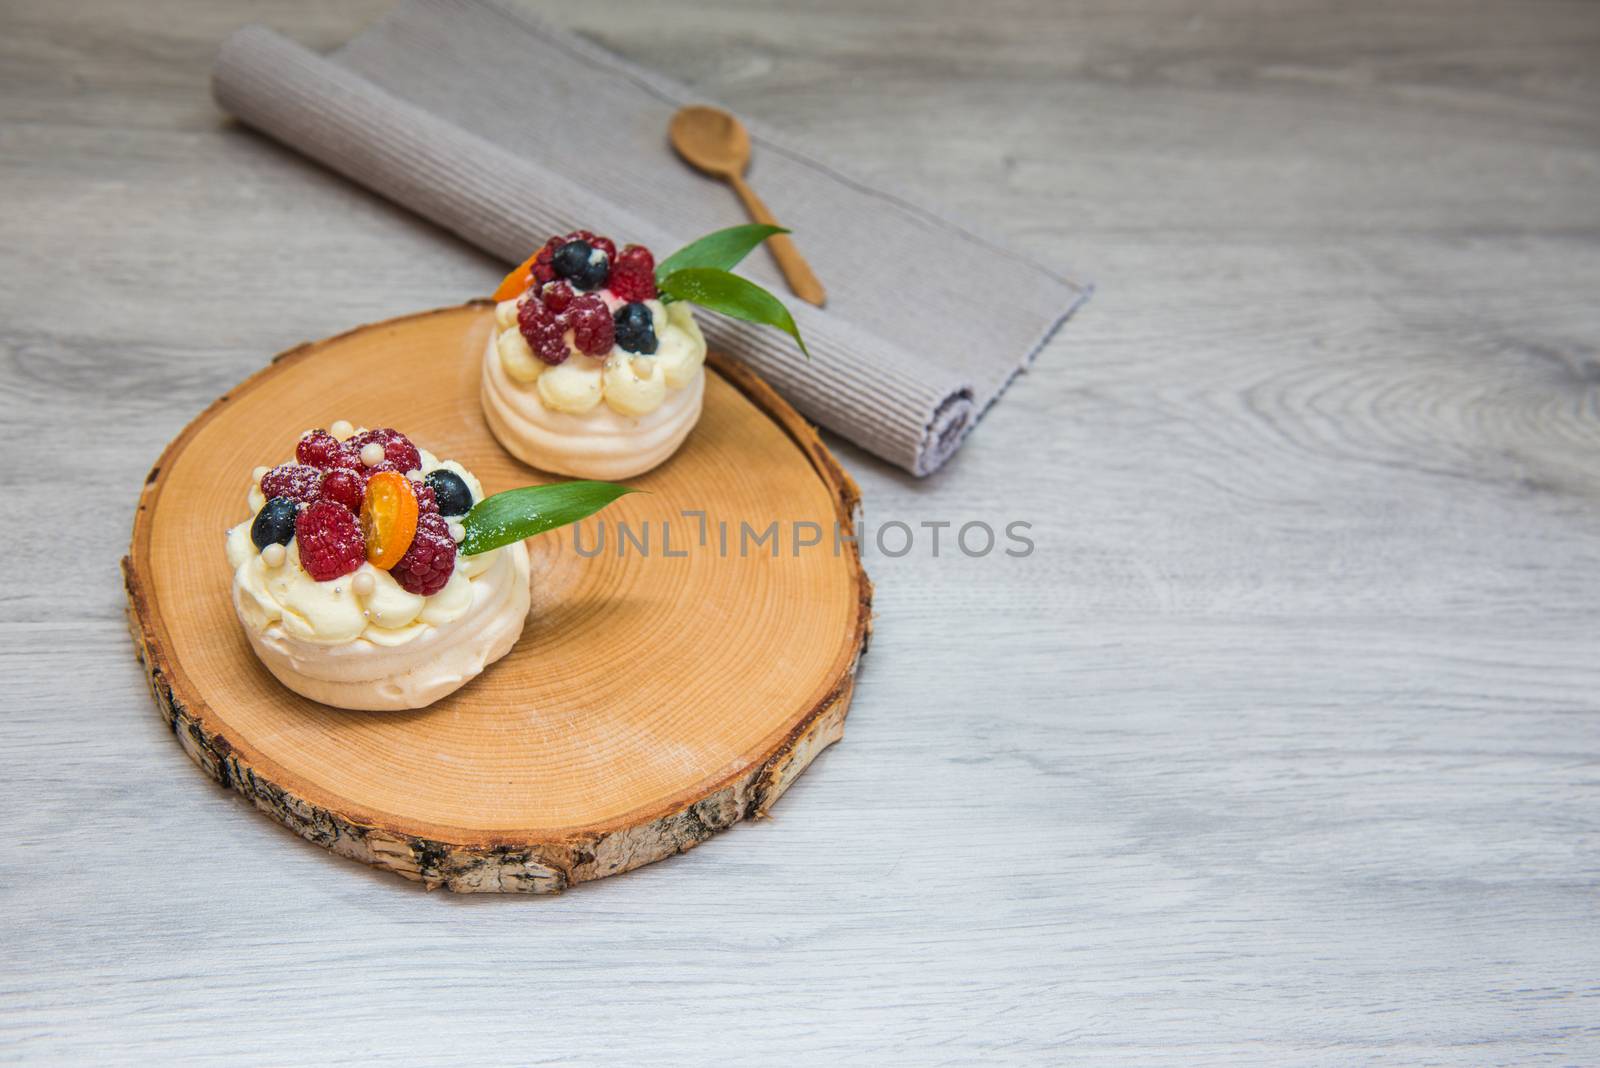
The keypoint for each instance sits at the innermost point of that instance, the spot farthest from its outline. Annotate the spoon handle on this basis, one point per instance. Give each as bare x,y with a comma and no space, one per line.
796,271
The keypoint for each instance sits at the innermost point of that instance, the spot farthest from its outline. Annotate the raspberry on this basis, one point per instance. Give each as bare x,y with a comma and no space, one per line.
633,275
543,330
345,487
542,268
330,540
294,481
556,296
322,450
402,454
427,500
592,329
636,256
427,565
398,452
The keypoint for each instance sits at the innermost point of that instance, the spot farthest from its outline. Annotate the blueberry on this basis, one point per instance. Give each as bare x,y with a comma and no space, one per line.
596,276
450,491
635,328
274,524
580,264
571,259
583,266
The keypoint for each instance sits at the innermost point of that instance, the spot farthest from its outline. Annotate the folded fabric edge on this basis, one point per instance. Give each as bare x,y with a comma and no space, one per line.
1045,337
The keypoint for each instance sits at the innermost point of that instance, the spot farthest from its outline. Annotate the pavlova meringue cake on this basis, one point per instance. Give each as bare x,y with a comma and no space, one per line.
356,581
597,371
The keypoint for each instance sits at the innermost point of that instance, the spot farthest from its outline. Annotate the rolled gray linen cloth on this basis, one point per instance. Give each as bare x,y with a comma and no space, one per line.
505,131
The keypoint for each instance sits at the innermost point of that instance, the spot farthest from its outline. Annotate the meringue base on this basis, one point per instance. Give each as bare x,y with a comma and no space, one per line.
601,444
364,676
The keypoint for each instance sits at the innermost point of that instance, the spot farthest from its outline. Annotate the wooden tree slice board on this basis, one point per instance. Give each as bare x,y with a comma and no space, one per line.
651,701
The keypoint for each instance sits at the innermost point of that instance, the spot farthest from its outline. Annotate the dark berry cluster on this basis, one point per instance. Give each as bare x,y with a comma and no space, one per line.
580,257
318,503
566,280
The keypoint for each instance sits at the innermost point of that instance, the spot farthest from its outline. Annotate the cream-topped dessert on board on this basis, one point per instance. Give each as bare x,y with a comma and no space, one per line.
373,575
596,365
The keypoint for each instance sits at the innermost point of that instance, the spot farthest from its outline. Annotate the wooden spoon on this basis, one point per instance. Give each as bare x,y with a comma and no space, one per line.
715,143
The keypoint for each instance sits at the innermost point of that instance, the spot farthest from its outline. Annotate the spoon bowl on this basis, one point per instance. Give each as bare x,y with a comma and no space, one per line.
711,141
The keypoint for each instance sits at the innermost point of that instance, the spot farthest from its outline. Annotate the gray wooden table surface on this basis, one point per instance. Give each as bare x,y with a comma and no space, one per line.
1283,747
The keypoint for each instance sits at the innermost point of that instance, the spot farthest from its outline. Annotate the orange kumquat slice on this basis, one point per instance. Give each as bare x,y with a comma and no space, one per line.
514,283
388,518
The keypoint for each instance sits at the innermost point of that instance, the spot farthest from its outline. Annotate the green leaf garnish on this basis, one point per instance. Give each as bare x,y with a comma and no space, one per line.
521,513
723,249
729,294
